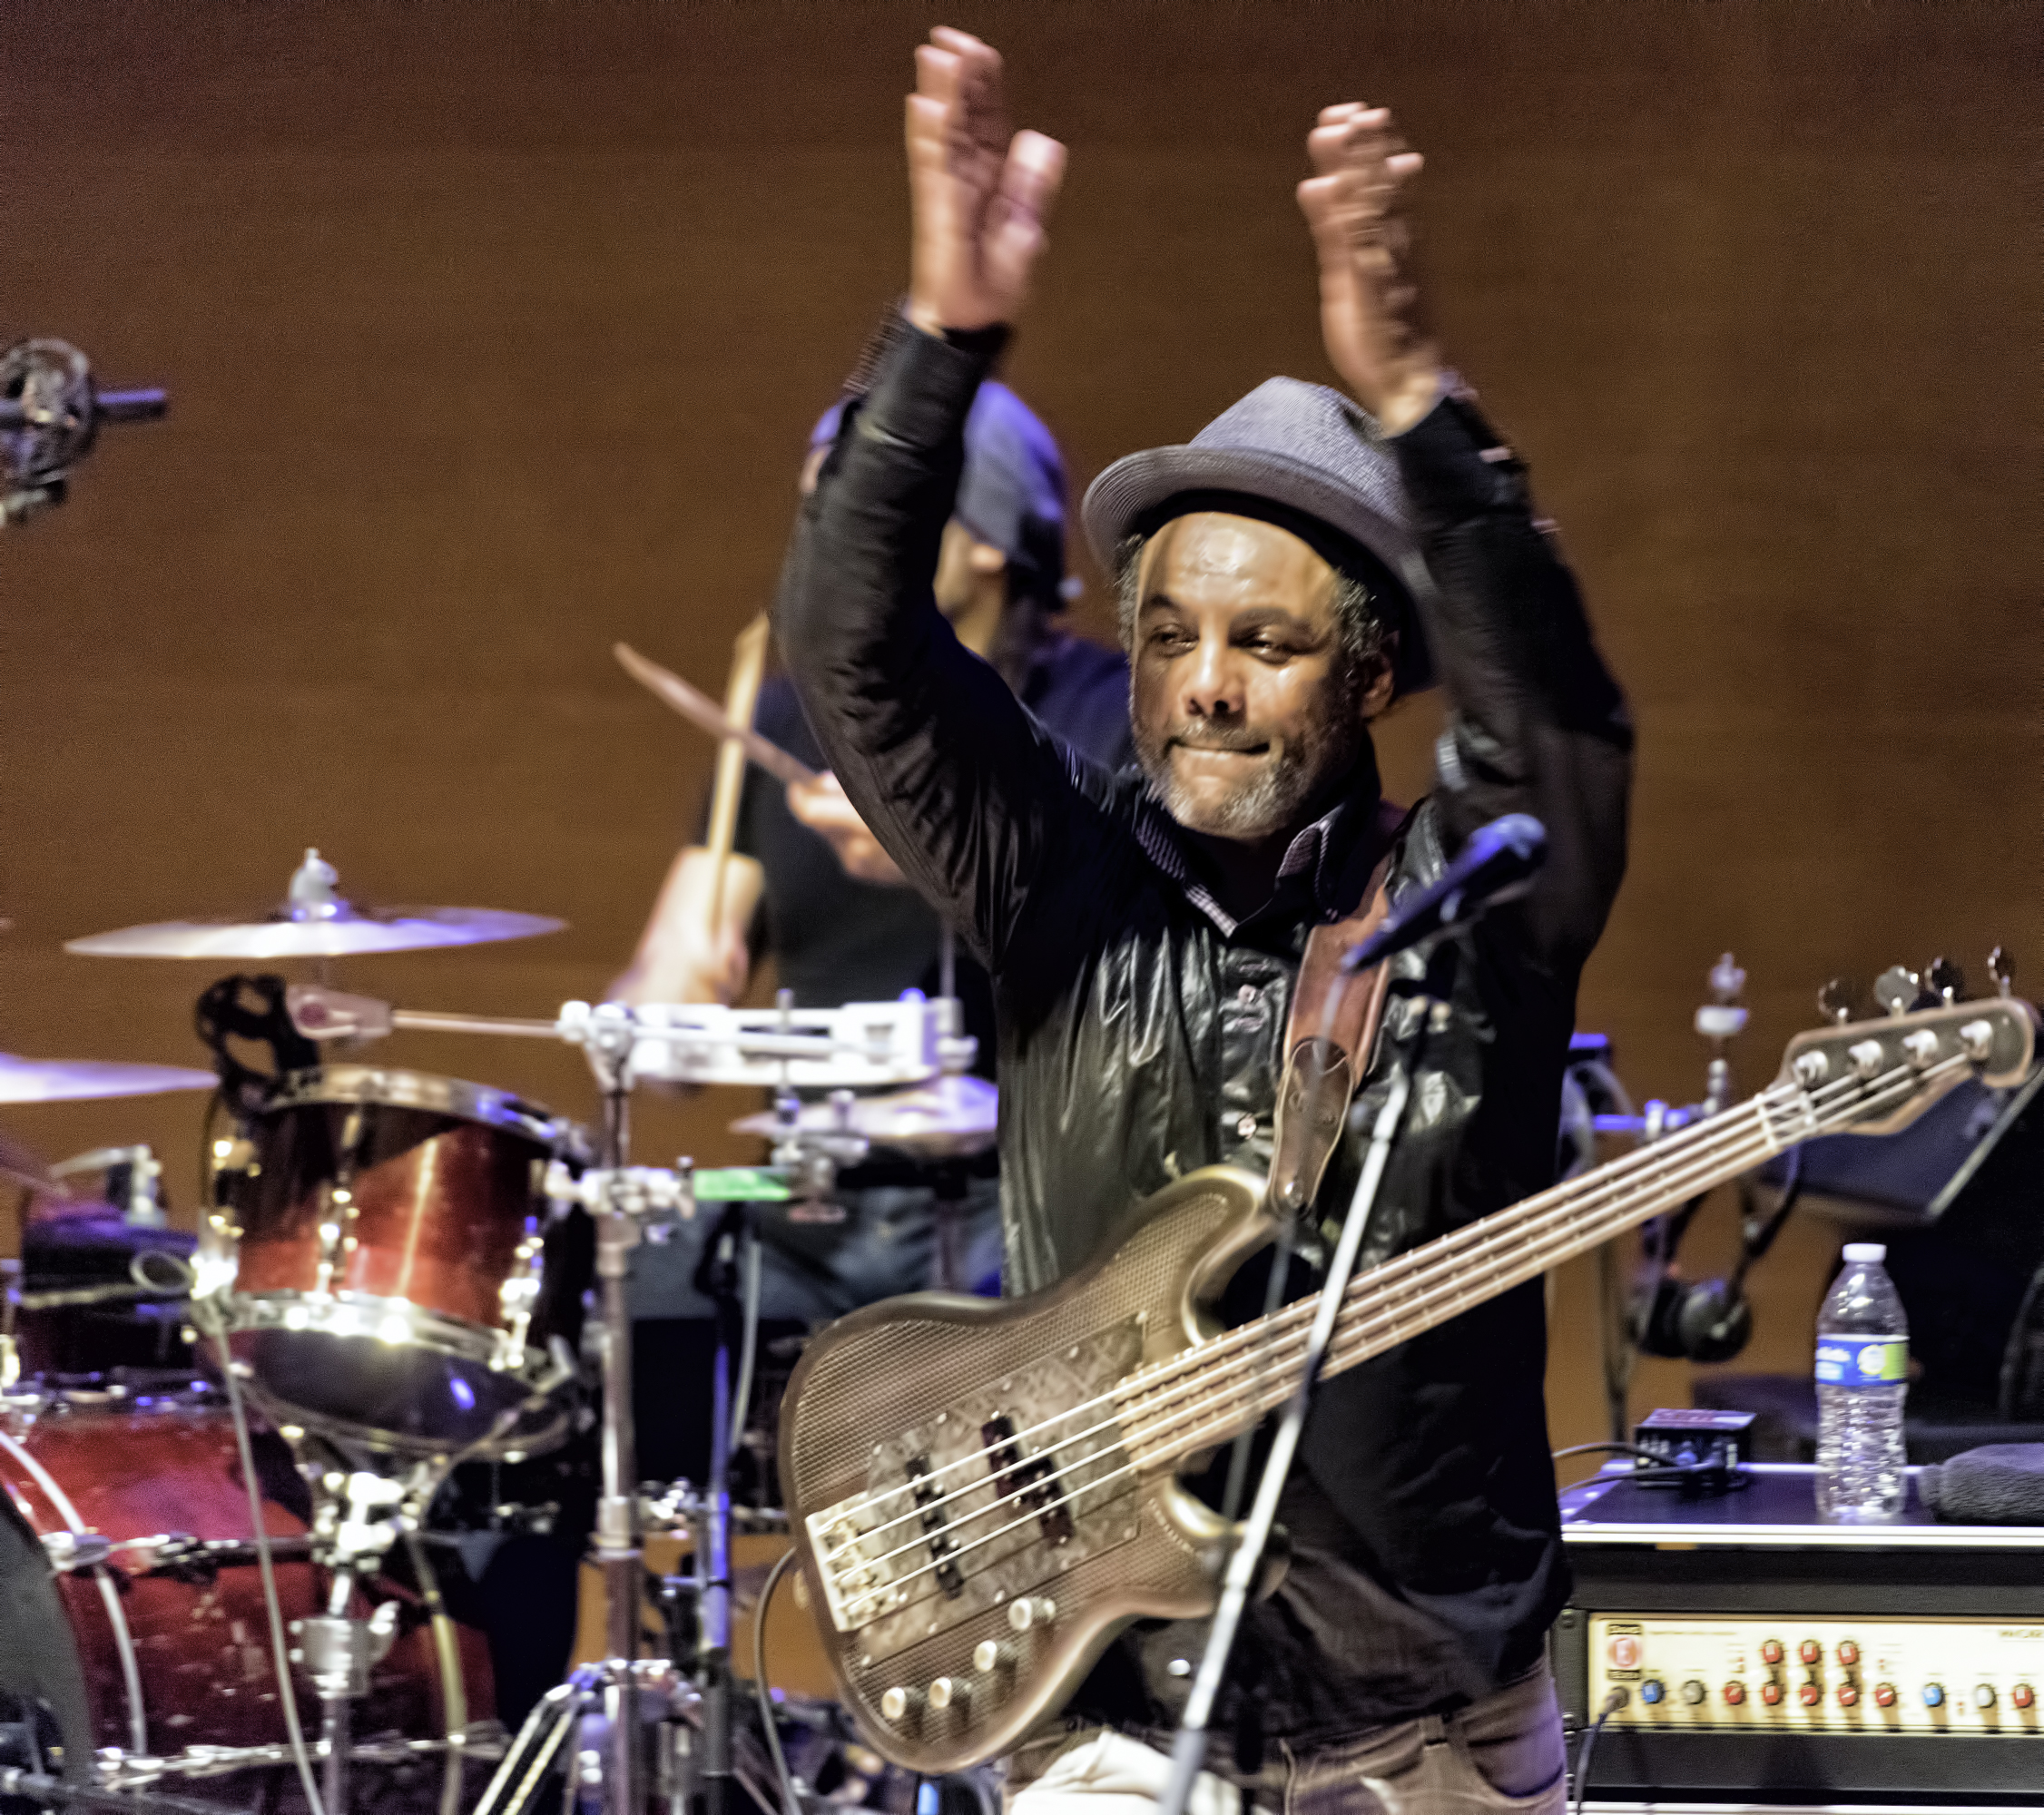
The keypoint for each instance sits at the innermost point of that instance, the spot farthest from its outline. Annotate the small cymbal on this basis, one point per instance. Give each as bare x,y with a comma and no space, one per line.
947,1118
314,922
83,1080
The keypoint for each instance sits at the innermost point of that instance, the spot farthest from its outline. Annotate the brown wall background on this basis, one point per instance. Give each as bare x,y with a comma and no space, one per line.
494,332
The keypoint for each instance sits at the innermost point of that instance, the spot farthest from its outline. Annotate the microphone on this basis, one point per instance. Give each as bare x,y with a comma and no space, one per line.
1498,863
50,412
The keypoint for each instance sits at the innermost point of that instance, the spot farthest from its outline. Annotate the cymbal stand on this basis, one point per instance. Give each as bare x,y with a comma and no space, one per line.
730,1253
609,1044
336,1650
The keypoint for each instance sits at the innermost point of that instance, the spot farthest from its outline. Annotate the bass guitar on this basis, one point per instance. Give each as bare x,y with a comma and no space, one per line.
983,1493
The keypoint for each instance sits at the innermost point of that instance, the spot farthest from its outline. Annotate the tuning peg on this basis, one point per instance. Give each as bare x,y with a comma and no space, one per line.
2001,967
1897,988
1837,1000
1947,980
1721,1017
1727,981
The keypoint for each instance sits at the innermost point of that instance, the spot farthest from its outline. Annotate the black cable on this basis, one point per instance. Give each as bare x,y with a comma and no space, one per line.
791,1802
301,1754
1615,1449
1613,1702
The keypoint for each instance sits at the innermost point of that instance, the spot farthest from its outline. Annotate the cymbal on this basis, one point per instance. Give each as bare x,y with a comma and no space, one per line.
82,1080
947,1118
315,922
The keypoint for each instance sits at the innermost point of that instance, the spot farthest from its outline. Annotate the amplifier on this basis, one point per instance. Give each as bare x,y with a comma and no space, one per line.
1760,1659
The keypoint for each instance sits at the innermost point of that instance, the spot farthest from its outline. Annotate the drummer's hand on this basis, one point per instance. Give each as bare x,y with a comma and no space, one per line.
979,198
821,805
682,957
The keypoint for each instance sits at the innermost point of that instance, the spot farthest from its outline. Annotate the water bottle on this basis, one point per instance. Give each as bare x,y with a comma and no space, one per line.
1862,1374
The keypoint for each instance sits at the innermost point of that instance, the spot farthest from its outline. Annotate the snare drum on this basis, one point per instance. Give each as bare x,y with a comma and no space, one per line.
169,1643
399,1275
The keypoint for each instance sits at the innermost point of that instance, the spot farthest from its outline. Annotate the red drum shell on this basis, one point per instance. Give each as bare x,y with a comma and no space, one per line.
431,1184
200,1639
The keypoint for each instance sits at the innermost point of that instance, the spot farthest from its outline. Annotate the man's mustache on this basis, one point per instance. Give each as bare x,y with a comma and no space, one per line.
1192,737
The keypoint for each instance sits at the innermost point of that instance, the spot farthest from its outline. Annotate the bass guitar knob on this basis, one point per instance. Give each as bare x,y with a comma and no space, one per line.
894,1704
1032,1612
988,1655
946,1694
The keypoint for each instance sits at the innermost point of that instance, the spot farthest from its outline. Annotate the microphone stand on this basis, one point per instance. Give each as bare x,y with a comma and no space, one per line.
1188,1750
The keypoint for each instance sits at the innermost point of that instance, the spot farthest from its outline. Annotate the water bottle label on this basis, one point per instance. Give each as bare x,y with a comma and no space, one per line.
1862,1362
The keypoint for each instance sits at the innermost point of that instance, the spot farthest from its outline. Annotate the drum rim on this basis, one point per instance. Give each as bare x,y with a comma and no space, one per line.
369,1315
434,1332
398,1088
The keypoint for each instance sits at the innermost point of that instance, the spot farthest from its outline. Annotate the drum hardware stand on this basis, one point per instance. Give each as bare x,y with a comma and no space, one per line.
335,1649
619,1197
134,1178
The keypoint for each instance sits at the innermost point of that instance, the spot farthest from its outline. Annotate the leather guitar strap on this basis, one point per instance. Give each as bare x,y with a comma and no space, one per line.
1331,1031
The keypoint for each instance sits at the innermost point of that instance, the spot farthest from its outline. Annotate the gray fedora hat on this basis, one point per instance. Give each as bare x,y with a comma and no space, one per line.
1302,447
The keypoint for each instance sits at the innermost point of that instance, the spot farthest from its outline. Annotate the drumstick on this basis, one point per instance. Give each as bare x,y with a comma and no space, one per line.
741,694
703,712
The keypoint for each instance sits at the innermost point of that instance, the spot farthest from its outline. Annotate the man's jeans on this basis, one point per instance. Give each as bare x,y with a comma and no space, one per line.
1503,1752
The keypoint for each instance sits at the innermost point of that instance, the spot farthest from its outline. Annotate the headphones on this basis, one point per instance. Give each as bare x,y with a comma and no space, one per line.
1707,1321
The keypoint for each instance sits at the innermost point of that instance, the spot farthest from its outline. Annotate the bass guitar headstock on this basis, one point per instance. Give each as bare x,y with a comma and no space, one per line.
1876,1076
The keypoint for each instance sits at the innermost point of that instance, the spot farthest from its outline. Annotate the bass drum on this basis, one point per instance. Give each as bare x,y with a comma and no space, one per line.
166,1645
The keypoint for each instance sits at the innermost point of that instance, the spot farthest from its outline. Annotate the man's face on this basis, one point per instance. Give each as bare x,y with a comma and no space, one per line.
1242,703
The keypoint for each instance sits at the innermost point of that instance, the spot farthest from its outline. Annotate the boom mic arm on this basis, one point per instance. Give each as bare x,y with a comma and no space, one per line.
49,414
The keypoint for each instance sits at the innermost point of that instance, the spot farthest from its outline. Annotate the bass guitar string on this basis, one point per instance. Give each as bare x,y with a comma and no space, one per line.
1538,1256
1143,1389
1219,1426
1223,1348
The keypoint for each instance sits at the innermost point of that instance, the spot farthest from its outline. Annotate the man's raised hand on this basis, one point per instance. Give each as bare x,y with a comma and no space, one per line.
1368,303
979,196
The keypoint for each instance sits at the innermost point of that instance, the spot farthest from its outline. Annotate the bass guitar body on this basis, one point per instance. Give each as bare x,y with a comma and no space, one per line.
975,1507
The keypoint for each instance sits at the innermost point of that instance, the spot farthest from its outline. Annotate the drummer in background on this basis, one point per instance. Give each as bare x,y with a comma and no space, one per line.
837,918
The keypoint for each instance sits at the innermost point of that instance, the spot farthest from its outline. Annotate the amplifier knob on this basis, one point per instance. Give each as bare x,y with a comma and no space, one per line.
1884,1694
1771,1651
1771,1694
1810,1650
2022,1696
1848,1653
1933,1696
1848,1696
1734,1694
1810,1693
1652,1692
1693,1692
1983,1695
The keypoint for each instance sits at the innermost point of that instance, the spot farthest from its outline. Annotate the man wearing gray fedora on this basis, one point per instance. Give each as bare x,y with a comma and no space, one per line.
1306,558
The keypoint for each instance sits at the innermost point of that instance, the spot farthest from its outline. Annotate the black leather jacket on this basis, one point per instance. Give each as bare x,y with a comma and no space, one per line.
1141,1028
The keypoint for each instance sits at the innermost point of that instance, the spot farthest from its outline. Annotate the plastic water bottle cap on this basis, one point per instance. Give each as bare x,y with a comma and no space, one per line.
1865,1251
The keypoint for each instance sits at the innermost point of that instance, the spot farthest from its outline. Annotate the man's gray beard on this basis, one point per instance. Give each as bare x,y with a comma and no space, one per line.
1270,800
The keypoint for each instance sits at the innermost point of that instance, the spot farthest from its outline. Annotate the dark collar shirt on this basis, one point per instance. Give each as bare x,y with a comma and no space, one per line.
1142,1028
